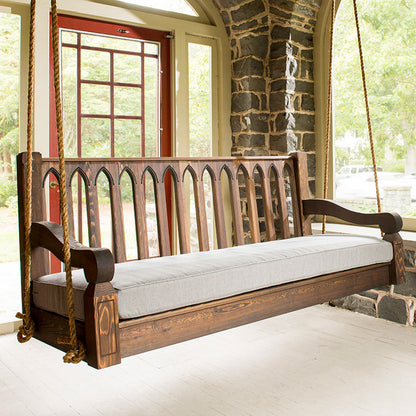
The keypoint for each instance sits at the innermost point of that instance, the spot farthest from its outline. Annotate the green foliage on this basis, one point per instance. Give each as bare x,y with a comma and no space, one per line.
388,30
393,165
9,82
9,143
8,191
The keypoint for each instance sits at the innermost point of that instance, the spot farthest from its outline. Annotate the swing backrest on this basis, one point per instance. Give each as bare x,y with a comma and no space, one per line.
260,197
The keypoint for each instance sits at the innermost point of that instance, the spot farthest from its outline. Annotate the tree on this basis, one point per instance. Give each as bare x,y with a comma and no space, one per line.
9,89
388,30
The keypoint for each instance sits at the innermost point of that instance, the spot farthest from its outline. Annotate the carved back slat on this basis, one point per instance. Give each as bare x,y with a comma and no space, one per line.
252,204
302,186
139,204
201,214
181,210
295,201
93,215
235,205
267,202
117,220
282,203
162,217
218,204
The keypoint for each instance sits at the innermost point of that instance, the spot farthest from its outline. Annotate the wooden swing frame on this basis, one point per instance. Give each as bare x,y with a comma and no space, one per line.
106,338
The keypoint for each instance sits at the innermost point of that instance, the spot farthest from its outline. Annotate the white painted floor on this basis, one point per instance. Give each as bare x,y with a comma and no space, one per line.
10,292
318,361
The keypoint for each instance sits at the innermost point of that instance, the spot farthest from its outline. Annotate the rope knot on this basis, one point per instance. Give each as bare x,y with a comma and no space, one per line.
73,356
27,329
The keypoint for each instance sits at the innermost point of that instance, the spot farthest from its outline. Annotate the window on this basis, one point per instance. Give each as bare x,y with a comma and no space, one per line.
389,55
114,81
10,36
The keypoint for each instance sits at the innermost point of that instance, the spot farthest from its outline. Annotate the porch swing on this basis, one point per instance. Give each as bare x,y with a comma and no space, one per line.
116,308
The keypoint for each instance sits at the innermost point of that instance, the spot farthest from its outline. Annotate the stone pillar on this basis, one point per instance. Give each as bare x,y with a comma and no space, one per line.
247,26
272,79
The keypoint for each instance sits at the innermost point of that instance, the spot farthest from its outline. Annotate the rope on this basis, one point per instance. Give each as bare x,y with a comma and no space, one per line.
367,107
77,350
329,111
27,329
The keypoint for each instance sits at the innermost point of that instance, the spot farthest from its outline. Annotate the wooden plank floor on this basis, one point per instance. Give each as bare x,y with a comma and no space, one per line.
318,361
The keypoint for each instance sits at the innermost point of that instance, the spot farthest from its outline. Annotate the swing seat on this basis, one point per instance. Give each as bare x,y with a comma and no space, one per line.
161,284
127,307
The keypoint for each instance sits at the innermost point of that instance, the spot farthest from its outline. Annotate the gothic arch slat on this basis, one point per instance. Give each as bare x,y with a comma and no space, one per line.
117,221
282,203
267,204
252,204
139,203
162,219
181,210
295,200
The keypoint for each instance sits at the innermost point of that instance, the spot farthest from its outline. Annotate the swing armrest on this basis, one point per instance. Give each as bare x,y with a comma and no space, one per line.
389,223
98,263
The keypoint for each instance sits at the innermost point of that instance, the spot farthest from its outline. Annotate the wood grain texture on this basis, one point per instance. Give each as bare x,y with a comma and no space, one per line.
102,337
389,223
253,216
398,267
300,162
159,330
282,205
268,207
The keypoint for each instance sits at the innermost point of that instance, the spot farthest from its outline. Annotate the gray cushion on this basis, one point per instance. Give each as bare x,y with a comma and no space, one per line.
164,283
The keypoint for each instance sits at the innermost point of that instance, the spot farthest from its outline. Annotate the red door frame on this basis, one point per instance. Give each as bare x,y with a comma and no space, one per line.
121,31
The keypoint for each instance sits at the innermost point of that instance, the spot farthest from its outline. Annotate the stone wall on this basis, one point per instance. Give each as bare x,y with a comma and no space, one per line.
394,303
272,109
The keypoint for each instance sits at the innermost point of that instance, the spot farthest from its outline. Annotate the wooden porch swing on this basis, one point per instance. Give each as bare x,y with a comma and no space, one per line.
116,308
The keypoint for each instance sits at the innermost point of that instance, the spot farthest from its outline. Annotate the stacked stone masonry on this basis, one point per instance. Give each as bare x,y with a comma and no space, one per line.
273,113
272,109
394,303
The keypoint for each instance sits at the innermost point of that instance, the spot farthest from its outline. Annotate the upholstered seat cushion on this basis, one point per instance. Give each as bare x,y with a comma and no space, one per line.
159,284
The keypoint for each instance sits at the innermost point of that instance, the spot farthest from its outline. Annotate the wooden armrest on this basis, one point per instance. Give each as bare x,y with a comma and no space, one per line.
98,263
389,223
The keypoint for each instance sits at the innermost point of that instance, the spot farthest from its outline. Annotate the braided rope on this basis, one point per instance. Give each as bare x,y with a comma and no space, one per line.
329,111
27,329
77,351
367,107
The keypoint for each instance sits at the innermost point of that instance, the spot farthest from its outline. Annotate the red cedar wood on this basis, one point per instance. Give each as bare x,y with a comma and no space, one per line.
107,339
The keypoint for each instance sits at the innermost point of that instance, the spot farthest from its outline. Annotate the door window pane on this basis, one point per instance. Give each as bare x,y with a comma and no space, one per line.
95,99
127,138
95,65
95,137
127,68
127,101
